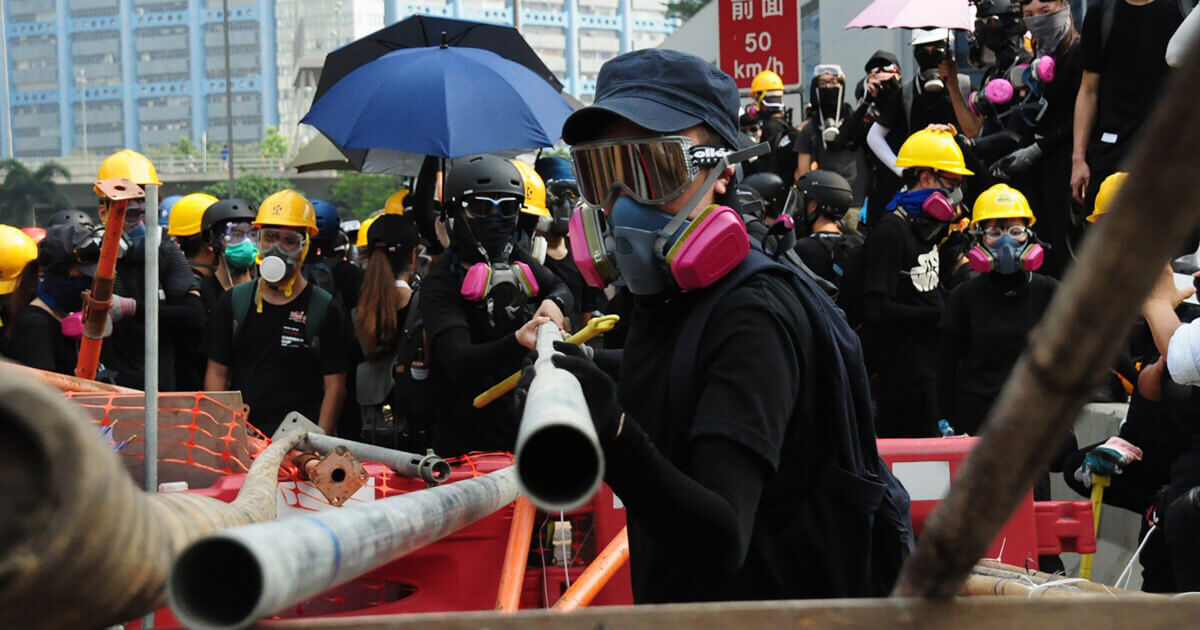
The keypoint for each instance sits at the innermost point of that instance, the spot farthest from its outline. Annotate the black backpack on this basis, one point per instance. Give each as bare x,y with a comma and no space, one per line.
842,248
862,516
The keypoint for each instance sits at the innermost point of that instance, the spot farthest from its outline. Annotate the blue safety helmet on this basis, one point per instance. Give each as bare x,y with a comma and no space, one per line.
328,221
164,208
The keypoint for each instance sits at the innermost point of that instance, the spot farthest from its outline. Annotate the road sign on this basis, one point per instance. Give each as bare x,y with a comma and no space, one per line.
759,35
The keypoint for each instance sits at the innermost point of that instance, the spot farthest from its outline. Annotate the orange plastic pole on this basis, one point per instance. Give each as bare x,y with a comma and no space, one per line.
98,301
597,575
516,556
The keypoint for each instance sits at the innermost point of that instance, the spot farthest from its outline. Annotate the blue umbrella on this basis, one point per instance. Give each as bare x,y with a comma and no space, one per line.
442,101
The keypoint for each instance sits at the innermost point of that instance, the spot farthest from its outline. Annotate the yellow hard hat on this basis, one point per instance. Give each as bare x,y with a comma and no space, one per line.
765,81
187,214
16,251
535,190
395,203
935,149
1001,202
1107,194
129,165
361,241
287,208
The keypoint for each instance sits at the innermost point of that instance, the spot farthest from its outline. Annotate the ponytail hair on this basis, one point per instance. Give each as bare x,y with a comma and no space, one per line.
375,322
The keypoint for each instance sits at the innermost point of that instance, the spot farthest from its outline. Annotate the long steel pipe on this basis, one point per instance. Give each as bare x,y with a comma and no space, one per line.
558,458
234,577
80,544
430,467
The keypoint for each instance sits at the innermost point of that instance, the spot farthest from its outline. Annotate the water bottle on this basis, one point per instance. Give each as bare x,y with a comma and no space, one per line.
944,428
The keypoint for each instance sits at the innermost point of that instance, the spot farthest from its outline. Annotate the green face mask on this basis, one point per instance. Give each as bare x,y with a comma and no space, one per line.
242,255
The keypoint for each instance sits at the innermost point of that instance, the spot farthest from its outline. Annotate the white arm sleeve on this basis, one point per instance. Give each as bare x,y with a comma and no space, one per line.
877,140
1183,354
1183,40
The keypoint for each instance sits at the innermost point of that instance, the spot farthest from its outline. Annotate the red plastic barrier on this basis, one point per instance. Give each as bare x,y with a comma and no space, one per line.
1064,526
927,466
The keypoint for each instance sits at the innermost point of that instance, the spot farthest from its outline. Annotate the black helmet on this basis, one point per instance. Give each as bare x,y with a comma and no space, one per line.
770,187
483,174
66,217
989,8
750,201
831,192
226,210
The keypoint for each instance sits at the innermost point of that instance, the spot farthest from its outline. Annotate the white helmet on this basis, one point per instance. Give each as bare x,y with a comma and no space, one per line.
931,35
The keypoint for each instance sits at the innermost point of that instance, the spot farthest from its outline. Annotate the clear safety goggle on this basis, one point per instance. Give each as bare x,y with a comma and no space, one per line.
650,170
233,233
290,241
1018,232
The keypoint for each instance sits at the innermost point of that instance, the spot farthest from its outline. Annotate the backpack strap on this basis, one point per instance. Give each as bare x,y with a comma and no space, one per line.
243,297
318,305
907,94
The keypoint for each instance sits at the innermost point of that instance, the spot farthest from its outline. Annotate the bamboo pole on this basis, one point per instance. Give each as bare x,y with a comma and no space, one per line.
80,544
1073,346
68,383
516,556
597,575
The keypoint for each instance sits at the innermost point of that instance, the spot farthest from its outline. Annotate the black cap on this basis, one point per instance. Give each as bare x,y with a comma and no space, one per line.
879,59
70,245
661,90
396,232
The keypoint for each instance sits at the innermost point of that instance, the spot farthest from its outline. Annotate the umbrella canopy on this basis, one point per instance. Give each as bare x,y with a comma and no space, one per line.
420,31
320,155
441,101
958,14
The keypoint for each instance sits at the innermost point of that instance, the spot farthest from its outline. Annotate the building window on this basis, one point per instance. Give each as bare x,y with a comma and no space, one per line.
810,38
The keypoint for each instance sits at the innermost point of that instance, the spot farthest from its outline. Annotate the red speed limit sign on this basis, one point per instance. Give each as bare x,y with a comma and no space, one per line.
759,35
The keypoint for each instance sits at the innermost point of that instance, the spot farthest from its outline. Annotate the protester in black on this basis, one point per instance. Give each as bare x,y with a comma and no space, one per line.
830,136
881,82
561,198
1124,68
718,451
901,293
478,305
986,321
280,340
775,128
37,336
825,244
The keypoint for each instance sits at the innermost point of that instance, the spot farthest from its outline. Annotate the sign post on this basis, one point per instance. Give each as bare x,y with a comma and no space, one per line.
759,35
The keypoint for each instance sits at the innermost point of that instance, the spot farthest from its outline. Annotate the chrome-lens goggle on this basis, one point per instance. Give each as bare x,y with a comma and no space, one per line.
650,170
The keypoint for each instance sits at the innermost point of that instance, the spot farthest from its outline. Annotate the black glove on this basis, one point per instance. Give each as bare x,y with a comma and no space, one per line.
1016,162
599,389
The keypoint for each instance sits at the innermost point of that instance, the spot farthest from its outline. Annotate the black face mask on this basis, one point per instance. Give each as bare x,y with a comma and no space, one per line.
493,233
930,57
830,99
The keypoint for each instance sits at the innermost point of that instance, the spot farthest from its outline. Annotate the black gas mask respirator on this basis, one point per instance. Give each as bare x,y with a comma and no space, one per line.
929,57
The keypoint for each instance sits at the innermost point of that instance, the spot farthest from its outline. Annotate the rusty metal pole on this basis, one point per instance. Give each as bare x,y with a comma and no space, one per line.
1073,346
98,301
597,575
516,556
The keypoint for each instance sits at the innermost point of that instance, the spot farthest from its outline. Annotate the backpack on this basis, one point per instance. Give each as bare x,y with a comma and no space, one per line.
862,514
318,305
1110,15
841,249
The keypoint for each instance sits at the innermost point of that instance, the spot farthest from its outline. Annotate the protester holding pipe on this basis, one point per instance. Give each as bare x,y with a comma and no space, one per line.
718,440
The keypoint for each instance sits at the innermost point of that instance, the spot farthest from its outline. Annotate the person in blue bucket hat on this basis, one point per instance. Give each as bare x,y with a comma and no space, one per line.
730,421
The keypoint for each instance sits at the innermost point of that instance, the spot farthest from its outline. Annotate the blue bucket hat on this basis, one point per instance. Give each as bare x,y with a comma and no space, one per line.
663,91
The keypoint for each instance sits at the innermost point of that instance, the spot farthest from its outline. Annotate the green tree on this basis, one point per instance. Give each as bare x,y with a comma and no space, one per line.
251,188
684,9
24,190
184,147
274,144
357,195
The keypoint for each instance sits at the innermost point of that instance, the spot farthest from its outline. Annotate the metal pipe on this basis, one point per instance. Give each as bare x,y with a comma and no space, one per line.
228,95
280,563
516,556
98,301
597,575
150,347
558,458
80,544
430,467
68,383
